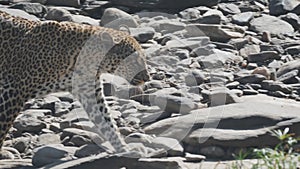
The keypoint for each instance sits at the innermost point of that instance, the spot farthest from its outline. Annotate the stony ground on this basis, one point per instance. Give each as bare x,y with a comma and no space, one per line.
224,73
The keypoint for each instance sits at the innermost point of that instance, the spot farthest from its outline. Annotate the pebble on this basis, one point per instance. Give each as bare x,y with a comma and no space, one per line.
242,18
262,71
194,157
49,138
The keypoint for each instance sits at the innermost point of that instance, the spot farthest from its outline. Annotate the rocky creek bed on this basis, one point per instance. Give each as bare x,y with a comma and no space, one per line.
224,73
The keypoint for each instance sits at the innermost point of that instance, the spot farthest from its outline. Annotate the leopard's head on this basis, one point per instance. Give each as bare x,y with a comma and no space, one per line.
127,60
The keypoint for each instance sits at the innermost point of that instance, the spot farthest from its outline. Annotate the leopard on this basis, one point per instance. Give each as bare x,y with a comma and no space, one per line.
41,57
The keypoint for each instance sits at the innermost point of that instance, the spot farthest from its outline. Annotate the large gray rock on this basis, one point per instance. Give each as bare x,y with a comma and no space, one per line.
218,59
115,162
235,125
229,8
195,78
289,66
219,96
264,56
21,144
73,132
165,4
19,13
16,163
271,24
279,7
72,3
165,61
116,18
75,115
166,26
212,16
142,34
242,18
250,79
293,50
29,123
172,146
276,86
220,33
188,43
58,14
88,150
50,154
290,77
174,104
32,8
292,19
85,20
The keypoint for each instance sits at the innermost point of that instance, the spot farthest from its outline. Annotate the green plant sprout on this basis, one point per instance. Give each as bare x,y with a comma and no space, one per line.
282,156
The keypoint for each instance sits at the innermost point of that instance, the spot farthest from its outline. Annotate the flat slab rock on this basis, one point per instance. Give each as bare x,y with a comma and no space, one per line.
271,24
116,162
15,164
233,124
177,4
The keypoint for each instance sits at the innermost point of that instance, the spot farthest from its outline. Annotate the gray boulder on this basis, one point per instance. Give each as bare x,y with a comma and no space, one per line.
274,25
219,33
32,8
72,3
243,124
288,67
116,18
117,161
58,14
280,7
165,4
242,18
50,154
292,19
19,13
